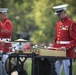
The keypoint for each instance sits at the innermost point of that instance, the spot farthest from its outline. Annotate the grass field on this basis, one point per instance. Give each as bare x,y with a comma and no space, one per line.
29,67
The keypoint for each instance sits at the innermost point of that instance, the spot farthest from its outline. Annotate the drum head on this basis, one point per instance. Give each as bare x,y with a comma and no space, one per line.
13,64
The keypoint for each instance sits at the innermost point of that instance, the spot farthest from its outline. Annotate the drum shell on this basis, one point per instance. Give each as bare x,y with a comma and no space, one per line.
13,64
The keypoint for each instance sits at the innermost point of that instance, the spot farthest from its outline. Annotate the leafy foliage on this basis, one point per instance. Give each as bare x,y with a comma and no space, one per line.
36,17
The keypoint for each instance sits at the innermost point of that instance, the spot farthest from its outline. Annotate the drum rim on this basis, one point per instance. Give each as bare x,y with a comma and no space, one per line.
7,70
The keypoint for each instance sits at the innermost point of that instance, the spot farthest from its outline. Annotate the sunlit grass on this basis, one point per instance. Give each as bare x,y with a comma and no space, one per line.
29,62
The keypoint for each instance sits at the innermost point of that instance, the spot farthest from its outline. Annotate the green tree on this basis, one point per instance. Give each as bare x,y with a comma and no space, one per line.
36,16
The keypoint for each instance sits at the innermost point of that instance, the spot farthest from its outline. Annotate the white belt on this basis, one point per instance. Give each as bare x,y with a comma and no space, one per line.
63,42
5,39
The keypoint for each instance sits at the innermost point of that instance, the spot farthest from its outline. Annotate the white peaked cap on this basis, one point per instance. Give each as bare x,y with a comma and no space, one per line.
59,8
3,9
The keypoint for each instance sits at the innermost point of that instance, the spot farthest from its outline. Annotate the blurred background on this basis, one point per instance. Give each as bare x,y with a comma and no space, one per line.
35,19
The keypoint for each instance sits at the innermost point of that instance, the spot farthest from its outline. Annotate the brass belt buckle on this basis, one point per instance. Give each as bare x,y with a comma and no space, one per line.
58,42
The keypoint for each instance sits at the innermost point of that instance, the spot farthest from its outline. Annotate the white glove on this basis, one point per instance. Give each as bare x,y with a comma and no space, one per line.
63,48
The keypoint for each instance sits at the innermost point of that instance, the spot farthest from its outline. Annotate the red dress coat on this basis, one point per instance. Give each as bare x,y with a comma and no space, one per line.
66,31
5,25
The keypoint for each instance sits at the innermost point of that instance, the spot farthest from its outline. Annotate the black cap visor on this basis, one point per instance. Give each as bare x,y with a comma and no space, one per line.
59,12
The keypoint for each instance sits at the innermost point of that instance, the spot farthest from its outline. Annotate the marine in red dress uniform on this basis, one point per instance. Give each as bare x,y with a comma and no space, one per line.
6,28
66,33
65,38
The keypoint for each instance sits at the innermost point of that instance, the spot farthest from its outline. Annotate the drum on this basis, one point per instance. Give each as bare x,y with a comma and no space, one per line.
14,66
13,63
44,66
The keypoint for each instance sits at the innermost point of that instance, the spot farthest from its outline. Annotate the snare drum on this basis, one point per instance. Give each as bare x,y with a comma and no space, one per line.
13,63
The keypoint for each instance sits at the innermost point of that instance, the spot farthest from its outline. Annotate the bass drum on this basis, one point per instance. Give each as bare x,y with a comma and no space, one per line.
13,64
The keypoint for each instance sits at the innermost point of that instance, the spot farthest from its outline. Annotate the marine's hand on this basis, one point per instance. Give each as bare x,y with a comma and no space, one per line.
63,48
